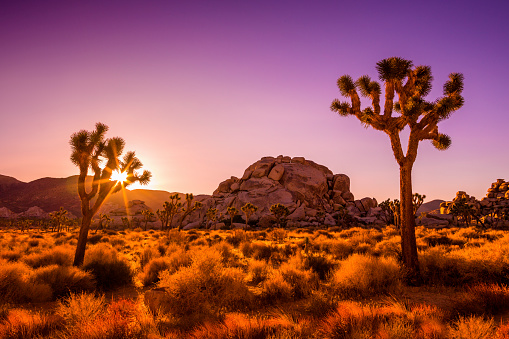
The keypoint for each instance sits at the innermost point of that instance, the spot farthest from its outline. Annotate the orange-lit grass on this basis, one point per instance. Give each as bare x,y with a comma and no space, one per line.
22,324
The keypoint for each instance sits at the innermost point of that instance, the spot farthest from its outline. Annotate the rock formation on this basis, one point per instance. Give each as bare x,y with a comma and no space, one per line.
311,192
493,208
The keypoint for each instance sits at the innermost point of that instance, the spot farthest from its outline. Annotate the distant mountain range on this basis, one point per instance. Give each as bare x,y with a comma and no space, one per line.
52,193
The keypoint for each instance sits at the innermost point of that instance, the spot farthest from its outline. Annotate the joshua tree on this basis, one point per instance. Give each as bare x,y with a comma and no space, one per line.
125,222
164,215
147,216
248,210
280,211
58,218
420,116
232,211
89,148
104,222
417,201
211,215
189,208
172,207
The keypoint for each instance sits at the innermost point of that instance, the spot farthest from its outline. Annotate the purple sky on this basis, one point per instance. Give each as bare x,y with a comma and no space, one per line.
200,90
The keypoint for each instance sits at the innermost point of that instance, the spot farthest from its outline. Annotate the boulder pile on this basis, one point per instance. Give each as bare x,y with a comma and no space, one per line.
312,193
493,208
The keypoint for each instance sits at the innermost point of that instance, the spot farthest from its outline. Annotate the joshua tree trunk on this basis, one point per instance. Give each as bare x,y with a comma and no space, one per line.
408,243
82,239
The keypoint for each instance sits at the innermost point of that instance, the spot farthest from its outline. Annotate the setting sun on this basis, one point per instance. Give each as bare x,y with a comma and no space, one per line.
118,176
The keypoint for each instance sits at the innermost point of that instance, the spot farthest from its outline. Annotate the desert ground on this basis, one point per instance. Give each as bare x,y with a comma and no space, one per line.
321,282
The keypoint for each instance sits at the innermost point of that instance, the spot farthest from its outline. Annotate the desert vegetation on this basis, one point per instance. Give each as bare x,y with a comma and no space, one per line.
321,282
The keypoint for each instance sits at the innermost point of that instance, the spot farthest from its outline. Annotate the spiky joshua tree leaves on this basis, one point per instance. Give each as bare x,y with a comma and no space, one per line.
409,110
89,150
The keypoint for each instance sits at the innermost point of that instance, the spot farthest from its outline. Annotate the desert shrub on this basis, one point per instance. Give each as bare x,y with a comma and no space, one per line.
236,326
64,279
472,328
465,266
94,239
256,250
340,248
276,289
258,271
33,242
80,308
389,248
62,256
118,242
205,289
366,275
16,285
11,255
25,324
291,280
363,248
119,320
483,299
109,270
246,249
320,265
172,263
237,237
147,255
225,249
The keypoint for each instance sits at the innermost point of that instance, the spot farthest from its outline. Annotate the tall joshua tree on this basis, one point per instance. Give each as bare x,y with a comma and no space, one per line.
409,110
89,149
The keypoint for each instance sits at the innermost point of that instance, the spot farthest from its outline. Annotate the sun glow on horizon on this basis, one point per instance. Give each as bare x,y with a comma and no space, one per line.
118,176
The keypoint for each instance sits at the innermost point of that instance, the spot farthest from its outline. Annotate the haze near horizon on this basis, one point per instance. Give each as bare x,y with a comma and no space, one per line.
200,91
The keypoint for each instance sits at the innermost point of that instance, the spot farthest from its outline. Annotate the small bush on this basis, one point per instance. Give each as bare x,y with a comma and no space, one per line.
174,262
81,307
258,271
483,299
365,275
65,279
62,256
320,265
25,324
204,290
94,239
109,270
16,285
472,328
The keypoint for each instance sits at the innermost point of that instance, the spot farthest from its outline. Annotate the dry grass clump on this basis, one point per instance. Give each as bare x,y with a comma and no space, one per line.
237,326
483,299
366,275
353,320
204,290
65,279
172,263
459,267
60,255
258,271
18,286
22,324
88,316
472,327
290,282
108,268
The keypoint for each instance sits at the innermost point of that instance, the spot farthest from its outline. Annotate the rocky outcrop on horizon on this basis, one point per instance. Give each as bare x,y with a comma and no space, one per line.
496,199
313,194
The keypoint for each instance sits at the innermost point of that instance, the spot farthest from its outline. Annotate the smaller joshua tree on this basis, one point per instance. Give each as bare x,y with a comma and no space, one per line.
249,209
147,216
164,215
189,208
173,207
58,218
417,201
280,211
232,211
211,215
